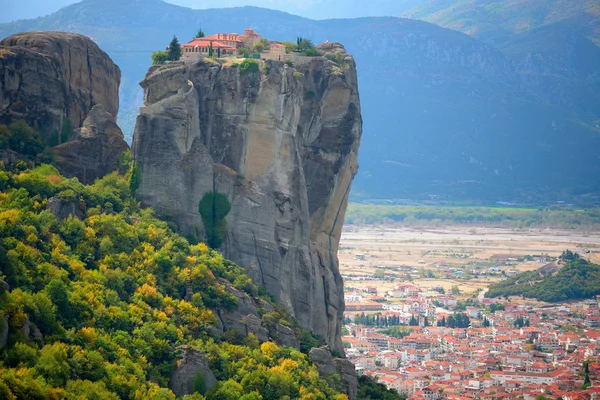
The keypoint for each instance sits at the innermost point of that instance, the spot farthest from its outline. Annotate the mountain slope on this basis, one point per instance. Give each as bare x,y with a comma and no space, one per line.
445,115
496,21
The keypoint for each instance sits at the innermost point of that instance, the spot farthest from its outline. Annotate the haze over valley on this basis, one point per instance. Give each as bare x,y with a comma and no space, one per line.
314,200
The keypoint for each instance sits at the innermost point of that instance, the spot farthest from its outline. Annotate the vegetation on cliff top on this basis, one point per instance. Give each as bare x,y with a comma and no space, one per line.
577,279
98,305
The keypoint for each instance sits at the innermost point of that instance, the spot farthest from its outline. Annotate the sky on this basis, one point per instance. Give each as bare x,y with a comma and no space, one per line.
11,10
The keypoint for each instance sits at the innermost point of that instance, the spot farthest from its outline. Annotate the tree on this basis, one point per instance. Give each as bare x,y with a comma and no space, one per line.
304,44
210,49
200,33
65,132
248,66
136,178
213,209
261,46
174,50
160,57
289,47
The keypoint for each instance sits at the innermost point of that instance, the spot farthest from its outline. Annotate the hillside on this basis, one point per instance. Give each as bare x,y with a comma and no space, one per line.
497,21
445,116
577,279
99,296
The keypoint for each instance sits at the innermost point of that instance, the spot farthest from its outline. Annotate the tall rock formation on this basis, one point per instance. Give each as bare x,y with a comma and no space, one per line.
53,80
281,142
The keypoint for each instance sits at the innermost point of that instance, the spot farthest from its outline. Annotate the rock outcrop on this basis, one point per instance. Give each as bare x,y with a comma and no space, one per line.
67,88
63,208
328,366
281,142
47,77
192,373
94,150
246,319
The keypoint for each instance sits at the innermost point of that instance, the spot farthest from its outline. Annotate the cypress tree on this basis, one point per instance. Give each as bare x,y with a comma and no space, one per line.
213,209
174,49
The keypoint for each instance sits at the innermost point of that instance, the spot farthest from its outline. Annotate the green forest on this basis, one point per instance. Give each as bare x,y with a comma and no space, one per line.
95,306
577,279
514,217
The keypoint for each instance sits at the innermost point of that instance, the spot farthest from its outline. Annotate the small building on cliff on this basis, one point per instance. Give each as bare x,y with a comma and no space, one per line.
201,47
222,44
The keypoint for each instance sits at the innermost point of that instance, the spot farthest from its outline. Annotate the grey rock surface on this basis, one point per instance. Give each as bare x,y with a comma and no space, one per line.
327,366
281,144
323,360
96,149
190,364
62,209
347,372
47,77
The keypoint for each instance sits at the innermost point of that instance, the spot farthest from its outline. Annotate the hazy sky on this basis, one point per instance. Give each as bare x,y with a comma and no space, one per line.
318,9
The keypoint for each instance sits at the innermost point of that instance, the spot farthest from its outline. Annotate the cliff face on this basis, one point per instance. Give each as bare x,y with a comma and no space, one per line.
49,78
282,144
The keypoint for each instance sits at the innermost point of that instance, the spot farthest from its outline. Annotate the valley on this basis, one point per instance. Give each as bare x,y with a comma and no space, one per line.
419,318
449,256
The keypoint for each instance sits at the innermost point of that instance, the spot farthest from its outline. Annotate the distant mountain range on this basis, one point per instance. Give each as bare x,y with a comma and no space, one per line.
446,116
498,21
314,9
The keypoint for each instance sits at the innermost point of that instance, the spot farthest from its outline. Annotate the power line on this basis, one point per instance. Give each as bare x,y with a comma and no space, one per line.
129,51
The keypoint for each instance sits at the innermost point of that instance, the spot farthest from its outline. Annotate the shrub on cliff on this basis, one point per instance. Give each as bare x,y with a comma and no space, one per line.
248,66
21,138
159,57
369,389
213,209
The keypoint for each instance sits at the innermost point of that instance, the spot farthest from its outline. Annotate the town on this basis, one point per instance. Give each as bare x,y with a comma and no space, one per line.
504,351
422,325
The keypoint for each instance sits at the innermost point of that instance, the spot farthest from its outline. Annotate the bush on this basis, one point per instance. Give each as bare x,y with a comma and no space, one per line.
213,209
136,178
336,57
248,66
21,138
160,57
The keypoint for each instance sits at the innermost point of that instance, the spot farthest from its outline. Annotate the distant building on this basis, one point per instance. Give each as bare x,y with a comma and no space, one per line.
222,44
276,52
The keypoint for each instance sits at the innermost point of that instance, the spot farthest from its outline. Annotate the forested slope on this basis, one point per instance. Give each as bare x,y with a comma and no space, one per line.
96,305
577,279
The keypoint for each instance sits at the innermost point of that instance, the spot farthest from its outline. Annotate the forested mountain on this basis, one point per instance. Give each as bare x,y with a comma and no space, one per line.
445,115
106,299
577,279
